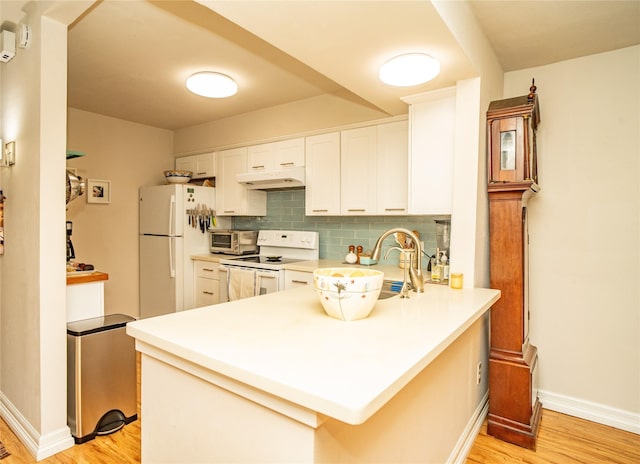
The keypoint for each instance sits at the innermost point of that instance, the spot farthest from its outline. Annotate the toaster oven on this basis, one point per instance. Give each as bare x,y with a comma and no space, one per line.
233,242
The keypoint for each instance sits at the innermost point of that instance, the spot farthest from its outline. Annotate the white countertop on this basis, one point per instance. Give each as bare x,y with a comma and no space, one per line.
211,257
284,344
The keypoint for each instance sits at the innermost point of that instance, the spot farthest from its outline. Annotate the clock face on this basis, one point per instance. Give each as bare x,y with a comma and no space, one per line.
508,150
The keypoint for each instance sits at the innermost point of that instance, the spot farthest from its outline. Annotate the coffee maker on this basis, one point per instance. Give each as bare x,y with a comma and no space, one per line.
443,237
70,253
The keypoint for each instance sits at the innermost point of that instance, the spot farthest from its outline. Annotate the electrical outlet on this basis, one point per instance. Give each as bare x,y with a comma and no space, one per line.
479,373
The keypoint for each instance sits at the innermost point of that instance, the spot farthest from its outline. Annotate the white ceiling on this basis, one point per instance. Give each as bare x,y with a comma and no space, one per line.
129,59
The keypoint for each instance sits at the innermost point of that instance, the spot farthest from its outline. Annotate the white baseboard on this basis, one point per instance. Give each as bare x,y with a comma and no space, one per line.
588,410
471,431
618,418
40,446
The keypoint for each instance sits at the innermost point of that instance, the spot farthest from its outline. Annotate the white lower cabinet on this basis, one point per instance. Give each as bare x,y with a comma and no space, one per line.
293,279
206,283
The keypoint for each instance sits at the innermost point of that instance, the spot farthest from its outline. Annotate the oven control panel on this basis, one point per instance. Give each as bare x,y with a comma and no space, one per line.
304,239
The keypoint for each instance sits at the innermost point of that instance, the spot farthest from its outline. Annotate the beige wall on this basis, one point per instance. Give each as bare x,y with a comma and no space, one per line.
33,317
584,231
323,112
129,155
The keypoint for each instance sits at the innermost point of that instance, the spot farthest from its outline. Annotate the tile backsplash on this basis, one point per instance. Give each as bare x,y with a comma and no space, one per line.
285,210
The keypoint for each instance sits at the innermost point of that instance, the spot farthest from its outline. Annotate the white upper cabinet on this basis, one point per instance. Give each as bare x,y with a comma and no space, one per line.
358,171
431,150
276,156
322,172
232,198
392,161
202,166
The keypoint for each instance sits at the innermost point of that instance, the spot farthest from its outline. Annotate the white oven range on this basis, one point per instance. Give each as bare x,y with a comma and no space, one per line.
247,276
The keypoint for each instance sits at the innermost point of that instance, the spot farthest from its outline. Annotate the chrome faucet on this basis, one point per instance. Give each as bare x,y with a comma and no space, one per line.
417,280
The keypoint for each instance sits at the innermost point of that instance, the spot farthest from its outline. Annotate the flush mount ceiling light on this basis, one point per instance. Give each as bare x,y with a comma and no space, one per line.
409,69
212,85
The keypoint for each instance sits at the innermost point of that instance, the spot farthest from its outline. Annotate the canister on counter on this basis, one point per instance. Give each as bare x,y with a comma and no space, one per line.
456,280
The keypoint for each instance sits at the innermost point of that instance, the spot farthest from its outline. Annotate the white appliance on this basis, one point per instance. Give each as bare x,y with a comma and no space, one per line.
174,219
247,276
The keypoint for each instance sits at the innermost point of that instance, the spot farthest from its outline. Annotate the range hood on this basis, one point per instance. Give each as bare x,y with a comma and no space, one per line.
281,178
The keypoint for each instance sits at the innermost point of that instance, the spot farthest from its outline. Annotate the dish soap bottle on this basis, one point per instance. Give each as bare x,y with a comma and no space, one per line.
445,267
351,257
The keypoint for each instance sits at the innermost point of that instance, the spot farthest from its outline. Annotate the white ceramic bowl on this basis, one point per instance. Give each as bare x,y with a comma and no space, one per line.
348,293
178,177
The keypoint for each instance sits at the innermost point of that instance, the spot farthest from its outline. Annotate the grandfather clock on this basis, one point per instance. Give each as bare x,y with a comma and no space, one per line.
514,407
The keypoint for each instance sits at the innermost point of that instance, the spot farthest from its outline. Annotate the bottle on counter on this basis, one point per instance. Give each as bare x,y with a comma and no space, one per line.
436,268
358,253
444,261
351,257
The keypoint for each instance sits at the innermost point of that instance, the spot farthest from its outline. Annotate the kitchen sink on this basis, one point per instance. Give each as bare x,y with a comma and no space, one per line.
387,291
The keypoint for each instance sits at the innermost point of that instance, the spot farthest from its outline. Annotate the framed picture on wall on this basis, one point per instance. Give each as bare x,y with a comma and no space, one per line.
98,191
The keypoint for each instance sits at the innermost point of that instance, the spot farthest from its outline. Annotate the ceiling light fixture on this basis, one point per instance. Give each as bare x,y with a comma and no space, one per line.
212,85
409,69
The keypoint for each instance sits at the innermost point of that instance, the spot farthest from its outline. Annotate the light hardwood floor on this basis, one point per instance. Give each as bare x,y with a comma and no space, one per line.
562,440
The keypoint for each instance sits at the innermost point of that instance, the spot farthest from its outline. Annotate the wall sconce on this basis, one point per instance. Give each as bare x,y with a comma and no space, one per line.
8,155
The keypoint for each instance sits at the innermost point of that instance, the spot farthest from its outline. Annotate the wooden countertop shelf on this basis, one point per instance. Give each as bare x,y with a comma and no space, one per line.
83,278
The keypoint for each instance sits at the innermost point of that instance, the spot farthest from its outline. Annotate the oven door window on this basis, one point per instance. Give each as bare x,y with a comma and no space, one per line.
266,282
221,241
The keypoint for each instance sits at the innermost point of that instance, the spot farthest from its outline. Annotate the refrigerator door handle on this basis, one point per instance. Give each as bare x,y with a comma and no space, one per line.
172,215
172,262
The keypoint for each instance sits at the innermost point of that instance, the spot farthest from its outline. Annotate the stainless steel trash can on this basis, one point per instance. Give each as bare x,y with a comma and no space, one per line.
101,376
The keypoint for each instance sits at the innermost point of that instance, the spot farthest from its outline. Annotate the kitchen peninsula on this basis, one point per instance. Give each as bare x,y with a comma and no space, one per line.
274,379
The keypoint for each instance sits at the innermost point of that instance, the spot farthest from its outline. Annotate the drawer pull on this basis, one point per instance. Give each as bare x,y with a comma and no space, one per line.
299,281
207,293
206,269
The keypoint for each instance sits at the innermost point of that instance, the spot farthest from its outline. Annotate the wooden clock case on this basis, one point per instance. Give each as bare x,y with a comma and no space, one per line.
514,407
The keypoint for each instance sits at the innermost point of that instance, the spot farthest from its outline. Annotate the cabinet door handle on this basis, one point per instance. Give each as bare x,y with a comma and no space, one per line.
304,282
317,210
201,173
207,293
257,167
290,163
206,269
394,209
356,210
229,210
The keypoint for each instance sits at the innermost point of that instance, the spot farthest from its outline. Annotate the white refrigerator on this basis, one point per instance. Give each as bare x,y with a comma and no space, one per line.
174,219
